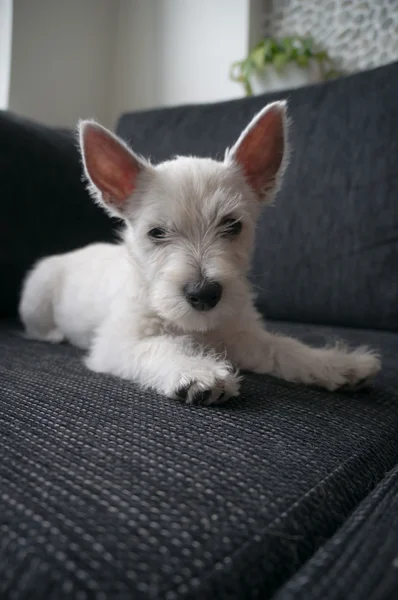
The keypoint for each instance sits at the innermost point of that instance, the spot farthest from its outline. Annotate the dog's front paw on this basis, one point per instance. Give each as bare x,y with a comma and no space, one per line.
349,370
207,385
362,366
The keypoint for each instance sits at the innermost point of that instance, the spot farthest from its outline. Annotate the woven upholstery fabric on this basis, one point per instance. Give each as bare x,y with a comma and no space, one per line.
361,560
45,208
108,491
327,252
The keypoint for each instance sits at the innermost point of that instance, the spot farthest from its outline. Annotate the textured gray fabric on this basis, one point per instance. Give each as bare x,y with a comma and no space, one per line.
327,252
107,491
361,560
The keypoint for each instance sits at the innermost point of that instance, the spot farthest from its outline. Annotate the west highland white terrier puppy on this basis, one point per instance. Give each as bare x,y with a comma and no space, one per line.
170,307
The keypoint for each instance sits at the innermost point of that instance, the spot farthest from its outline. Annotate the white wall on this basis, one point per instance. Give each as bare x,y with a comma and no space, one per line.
62,54
5,50
99,58
135,60
197,43
177,51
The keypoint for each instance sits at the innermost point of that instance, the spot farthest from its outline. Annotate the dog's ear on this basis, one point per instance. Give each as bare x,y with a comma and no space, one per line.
111,168
261,150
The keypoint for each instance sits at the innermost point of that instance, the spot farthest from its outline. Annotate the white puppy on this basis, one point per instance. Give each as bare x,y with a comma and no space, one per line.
170,307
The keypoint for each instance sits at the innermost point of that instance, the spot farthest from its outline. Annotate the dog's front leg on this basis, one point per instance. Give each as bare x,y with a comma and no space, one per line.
172,365
253,348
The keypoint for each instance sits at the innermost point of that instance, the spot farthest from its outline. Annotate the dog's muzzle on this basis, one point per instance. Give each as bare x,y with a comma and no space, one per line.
203,295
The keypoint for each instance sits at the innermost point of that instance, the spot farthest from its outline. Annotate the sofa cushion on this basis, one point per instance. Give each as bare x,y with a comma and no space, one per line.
327,252
361,559
45,208
113,492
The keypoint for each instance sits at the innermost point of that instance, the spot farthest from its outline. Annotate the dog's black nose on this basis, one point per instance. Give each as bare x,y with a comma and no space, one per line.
203,295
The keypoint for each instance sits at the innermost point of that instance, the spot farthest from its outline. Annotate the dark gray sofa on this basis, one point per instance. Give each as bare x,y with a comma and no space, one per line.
108,491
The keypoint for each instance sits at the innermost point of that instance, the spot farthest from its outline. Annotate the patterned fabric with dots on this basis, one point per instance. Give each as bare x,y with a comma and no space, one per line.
108,491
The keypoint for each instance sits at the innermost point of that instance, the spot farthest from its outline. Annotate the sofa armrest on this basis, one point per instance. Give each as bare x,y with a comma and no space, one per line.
45,206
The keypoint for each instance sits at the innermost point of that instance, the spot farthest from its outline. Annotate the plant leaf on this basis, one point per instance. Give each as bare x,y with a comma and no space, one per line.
258,57
280,61
279,52
302,61
236,70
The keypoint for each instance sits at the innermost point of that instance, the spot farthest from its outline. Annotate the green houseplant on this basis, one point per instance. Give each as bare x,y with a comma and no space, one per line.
275,59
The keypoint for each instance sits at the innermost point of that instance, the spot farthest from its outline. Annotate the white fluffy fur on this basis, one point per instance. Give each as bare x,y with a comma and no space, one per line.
124,303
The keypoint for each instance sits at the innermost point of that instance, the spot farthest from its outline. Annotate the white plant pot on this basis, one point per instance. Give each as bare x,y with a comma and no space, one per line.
291,76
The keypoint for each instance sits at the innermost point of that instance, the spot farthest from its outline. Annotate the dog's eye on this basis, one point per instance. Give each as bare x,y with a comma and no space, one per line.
157,233
231,227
